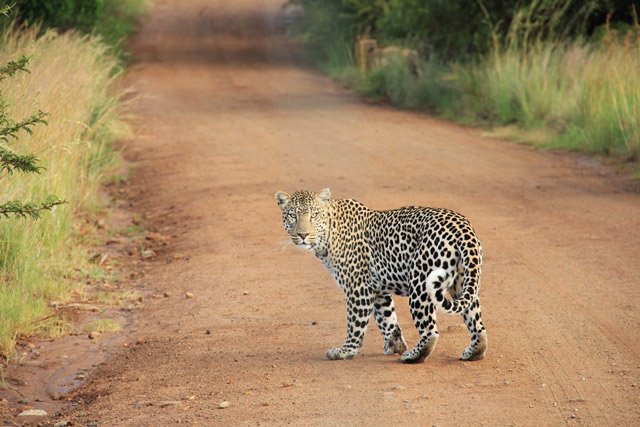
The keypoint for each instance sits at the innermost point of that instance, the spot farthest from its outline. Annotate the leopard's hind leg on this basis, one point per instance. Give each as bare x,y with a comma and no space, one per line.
387,321
423,311
473,319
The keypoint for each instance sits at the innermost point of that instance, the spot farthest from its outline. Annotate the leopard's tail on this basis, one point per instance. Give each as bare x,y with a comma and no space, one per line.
437,284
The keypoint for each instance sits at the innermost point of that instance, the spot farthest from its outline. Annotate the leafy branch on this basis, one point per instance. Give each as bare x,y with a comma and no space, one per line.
10,161
10,129
12,67
17,208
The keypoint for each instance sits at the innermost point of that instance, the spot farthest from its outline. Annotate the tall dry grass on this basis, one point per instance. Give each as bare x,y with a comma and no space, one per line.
555,90
586,96
607,115
71,78
579,96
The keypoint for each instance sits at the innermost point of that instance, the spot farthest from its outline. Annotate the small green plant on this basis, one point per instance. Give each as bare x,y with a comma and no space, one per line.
134,230
102,325
118,297
118,179
56,326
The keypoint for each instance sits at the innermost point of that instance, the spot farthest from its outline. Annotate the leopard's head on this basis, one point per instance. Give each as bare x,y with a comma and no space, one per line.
305,216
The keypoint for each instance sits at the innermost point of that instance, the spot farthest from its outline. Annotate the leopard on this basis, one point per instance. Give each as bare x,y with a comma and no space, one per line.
430,255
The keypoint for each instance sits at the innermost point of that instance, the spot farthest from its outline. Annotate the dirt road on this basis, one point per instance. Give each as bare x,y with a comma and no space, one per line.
227,117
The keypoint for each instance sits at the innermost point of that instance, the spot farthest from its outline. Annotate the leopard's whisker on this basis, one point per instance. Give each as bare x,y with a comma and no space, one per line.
284,244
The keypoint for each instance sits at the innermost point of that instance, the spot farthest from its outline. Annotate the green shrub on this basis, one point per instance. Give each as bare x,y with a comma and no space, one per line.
325,32
118,18
390,83
436,90
113,20
62,14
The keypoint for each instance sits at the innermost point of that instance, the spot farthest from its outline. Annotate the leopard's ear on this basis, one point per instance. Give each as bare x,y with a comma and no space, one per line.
324,194
282,198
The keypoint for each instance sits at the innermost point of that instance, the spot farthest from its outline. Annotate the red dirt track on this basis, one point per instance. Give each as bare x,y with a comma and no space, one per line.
227,116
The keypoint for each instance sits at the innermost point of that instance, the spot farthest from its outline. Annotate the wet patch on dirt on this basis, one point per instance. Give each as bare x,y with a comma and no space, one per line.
94,321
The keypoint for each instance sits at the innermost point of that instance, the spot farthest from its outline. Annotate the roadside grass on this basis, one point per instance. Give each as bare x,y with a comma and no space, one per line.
569,95
71,78
586,98
606,118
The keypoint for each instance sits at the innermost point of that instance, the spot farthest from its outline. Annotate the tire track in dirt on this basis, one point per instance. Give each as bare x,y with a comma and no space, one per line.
228,116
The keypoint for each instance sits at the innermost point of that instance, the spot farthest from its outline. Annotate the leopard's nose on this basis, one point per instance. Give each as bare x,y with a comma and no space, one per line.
303,235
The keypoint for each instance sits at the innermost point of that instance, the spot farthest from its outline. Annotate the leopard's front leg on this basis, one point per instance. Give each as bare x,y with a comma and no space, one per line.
359,308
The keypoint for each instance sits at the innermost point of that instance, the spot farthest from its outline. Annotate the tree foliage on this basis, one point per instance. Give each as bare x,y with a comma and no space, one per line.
454,29
113,20
61,14
10,161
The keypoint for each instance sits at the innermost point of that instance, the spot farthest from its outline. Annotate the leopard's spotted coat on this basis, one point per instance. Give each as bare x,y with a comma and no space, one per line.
430,255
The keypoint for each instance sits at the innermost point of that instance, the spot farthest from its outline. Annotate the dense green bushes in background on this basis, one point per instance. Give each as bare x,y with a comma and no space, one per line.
111,19
453,29
561,73
62,14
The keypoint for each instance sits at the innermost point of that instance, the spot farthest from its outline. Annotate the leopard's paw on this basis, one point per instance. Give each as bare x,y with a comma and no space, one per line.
412,356
473,353
476,351
340,353
421,351
395,346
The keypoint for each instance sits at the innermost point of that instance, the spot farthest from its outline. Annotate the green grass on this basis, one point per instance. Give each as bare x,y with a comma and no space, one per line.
564,95
537,83
71,78
338,55
587,97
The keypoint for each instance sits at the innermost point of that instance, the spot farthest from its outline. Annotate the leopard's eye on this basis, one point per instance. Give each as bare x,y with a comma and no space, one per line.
314,214
291,218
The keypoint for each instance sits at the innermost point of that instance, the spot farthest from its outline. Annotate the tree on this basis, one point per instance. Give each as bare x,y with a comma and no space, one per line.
11,162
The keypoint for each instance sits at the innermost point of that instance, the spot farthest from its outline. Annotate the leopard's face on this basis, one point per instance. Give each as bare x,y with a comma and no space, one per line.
305,216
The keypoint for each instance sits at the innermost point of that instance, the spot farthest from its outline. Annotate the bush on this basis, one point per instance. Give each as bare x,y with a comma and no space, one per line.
460,29
326,33
62,14
113,20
